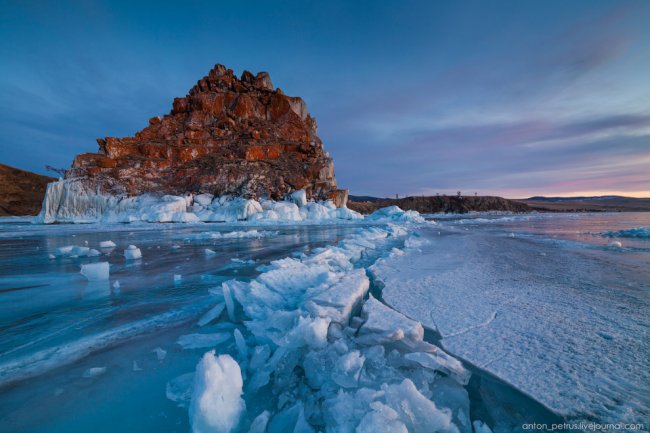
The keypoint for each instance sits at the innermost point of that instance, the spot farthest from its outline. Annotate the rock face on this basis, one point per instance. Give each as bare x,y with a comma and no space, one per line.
21,192
229,135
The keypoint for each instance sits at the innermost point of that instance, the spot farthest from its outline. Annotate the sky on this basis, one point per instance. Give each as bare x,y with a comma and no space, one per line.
510,98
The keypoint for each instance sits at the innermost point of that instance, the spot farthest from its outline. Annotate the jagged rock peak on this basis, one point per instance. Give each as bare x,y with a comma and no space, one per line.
228,135
222,79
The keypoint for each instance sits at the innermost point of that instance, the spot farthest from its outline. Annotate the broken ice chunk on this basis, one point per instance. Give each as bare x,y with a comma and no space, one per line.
481,427
290,420
347,369
241,344
160,353
96,271
72,251
259,423
418,413
203,199
179,389
132,253
197,341
260,355
382,419
216,404
209,252
340,300
107,244
227,295
94,372
212,314
441,361
383,324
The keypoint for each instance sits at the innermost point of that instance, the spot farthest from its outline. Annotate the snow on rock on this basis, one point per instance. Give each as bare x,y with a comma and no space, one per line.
216,405
132,253
324,358
96,271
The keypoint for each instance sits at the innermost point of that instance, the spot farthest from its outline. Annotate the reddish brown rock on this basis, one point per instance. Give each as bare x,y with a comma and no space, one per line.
21,192
228,135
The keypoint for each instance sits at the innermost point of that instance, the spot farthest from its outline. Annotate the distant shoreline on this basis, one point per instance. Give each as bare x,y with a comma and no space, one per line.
461,204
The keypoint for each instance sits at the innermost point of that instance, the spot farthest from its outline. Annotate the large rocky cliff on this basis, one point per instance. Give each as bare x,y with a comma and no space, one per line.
229,135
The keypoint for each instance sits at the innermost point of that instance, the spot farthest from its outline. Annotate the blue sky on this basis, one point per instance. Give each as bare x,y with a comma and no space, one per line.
510,98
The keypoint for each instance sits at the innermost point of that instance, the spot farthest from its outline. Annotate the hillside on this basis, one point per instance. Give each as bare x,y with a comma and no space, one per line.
21,192
437,204
609,203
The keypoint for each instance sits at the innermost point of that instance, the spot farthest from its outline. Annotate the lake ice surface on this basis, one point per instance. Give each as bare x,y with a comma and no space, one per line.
79,355
545,302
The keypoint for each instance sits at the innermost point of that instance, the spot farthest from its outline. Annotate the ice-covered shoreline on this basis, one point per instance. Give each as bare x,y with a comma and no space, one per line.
69,201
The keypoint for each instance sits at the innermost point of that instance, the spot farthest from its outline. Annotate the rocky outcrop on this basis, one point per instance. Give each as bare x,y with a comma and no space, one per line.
21,192
229,135
438,204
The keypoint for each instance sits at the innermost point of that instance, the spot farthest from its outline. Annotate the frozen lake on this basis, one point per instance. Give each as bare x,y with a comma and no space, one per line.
56,325
553,307
557,305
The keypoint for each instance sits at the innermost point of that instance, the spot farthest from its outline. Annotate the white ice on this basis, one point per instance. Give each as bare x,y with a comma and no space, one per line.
216,404
366,367
96,271
528,312
132,253
198,341
69,201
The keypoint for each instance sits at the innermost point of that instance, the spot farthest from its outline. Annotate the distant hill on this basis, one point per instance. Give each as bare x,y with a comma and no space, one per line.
21,192
605,203
437,204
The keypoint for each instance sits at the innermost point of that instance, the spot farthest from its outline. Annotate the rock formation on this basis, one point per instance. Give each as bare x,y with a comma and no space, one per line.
229,135
21,192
